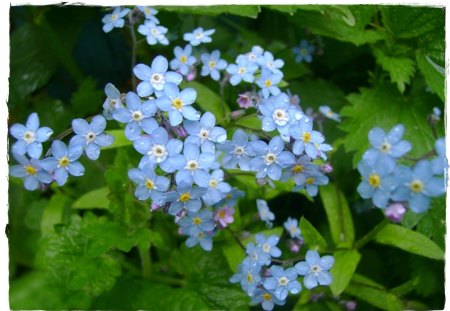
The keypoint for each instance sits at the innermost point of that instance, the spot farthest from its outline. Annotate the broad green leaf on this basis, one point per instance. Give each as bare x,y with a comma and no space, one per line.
95,199
240,10
251,121
410,241
384,107
53,213
120,140
408,21
434,74
338,214
290,9
84,99
401,69
209,100
312,237
342,271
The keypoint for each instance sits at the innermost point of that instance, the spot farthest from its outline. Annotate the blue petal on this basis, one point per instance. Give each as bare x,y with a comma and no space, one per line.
144,89
310,281
33,122
34,150
92,151
98,124
80,126
43,134
175,117
160,64
75,169
376,136
61,176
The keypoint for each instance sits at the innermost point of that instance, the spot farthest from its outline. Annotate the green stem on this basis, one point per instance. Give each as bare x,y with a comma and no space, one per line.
133,55
145,262
369,236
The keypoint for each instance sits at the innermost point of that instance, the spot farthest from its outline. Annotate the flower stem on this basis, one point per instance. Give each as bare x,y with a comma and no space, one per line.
133,55
145,262
369,236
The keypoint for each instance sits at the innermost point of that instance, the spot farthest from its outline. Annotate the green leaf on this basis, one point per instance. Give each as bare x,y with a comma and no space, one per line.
312,237
290,9
384,107
338,214
410,241
87,98
95,199
53,213
434,74
240,10
401,69
251,121
408,21
120,140
209,100
432,224
342,271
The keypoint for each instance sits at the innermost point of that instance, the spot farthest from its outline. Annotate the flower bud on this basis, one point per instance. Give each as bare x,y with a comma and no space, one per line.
245,100
395,211
326,168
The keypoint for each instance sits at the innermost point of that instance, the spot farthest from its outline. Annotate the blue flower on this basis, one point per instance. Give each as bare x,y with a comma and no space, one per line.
315,269
153,32
200,237
237,151
439,164
328,113
243,70
149,13
194,221
185,197
217,188
268,83
303,52
311,181
31,171
64,161
115,19
232,197
112,101
157,148
197,166
256,256
154,78
29,137
91,136
212,64
300,170
149,184
253,55
378,182
178,104
183,59
267,61
199,36
417,186
389,147
306,138
282,281
137,116
204,132
291,226
248,276
264,212
267,299
270,159
268,245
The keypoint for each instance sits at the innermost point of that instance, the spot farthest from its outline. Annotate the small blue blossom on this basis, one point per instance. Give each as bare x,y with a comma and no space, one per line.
248,276
242,70
315,269
282,282
149,185
303,52
183,59
112,101
417,186
268,83
212,63
137,116
149,13
217,188
256,255
178,104
270,159
30,137
264,212
268,245
115,19
328,113
310,182
300,170
154,33
193,221
378,182
91,136
267,299
200,237
267,61
306,139
197,166
185,197
254,54
389,147
204,131
439,164
64,161
31,171
232,197
199,36
436,115
154,78
291,226
237,151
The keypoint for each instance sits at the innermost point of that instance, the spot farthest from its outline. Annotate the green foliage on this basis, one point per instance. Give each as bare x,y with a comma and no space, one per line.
410,241
94,199
342,271
240,10
312,237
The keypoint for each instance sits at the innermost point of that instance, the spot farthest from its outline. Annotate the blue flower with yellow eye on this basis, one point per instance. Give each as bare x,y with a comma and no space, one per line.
315,269
115,19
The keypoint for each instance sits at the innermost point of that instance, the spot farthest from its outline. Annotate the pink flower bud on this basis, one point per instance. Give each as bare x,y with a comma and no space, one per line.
245,100
326,168
395,211
192,74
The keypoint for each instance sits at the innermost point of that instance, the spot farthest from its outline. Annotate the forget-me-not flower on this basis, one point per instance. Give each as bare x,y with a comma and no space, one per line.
149,185
31,171
193,221
311,182
330,114
264,212
278,113
267,299
115,19
112,101
212,63
268,83
183,59
224,216
198,36
306,139
236,151
217,188
315,269
154,33
149,13
30,137
185,197
197,166
242,70
291,226
267,61
268,245
303,52
204,131
248,276
439,164
282,282
200,237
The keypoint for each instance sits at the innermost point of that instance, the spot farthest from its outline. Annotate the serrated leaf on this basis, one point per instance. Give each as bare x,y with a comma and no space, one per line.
342,271
409,240
338,214
95,199
433,73
312,237
401,69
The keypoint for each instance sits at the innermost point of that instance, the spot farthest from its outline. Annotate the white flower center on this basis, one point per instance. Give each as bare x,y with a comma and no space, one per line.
239,151
315,269
157,78
203,134
192,165
283,281
280,116
160,152
28,136
90,137
155,32
385,147
213,183
270,158
242,70
199,35
266,247
137,115
114,17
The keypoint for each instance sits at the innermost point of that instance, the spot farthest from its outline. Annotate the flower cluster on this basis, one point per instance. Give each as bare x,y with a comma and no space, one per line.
61,160
396,187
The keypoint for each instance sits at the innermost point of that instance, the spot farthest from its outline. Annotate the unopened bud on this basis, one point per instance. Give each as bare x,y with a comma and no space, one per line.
326,168
237,113
245,100
395,211
192,74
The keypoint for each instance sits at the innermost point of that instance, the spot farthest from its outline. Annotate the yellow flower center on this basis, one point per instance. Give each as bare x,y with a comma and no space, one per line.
222,214
197,221
306,137
114,17
416,185
309,181
374,180
31,170
249,278
177,103
267,296
184,197
212,64
297,169
64,161
183,59
213,183
268,83
149,184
